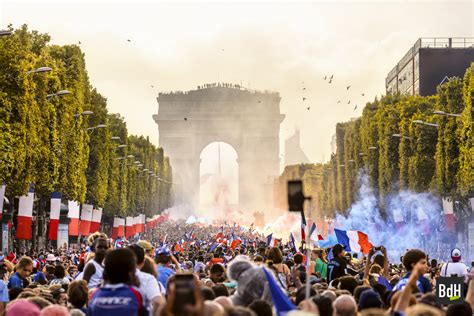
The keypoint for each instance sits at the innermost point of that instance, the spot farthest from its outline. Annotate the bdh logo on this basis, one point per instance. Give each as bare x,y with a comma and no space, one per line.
449,290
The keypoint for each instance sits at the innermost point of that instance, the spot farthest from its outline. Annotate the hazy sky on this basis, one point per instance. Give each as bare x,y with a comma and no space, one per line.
274,45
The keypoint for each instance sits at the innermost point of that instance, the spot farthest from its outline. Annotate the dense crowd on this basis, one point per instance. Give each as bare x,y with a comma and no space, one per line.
180,269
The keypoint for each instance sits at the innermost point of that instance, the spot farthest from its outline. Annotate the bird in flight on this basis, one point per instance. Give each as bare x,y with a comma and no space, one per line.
355,107
185,118
349,102
80,43
304,99
325,77
348,87
304,88
332,76
338,101
330,80
363,94
152,86
308,108
259,101
128,40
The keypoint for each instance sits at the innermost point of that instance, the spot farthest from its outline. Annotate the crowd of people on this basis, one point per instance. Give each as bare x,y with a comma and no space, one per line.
216,270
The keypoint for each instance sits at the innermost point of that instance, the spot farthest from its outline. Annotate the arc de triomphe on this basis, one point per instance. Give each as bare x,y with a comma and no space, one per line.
247,120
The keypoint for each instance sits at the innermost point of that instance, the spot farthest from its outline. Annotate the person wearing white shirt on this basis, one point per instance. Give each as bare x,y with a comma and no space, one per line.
152,292
454,268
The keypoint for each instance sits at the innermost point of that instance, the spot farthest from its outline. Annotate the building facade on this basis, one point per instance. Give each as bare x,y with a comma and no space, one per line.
428,63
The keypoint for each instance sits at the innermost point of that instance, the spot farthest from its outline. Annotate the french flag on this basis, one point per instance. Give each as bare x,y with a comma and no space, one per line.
73,214
448,211
303,227
96,218
353,240
86,218
313,235
136,224
25,215
235,241
292,242
272,242
54,215
115,228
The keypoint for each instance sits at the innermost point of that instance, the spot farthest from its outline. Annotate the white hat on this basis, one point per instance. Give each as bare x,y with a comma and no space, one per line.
50,257
456,253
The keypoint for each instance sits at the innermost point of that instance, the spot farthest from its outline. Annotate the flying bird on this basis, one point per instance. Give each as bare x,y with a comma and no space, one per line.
332,76
80,43
325,77
185,118
363,94
152,86
330,80
259,101
128,40
304,88
355,107
338,101
304,99
308,108
348,87
349,102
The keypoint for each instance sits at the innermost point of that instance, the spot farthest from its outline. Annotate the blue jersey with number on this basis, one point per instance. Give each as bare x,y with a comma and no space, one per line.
116,300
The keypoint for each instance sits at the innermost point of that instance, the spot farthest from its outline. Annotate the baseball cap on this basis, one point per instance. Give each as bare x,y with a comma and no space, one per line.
456,254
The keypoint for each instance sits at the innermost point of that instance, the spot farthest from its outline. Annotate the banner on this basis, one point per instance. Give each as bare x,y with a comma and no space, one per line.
54,215
25,216
448,210
96,218
2,196
129,226
121,228
73,214
86,217
115,228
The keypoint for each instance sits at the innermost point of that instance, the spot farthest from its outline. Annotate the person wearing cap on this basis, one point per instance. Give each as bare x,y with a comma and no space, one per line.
146,245
454,268
163,260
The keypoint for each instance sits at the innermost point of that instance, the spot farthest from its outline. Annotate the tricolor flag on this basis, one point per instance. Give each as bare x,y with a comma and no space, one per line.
272,242
115,228
96,218
292,242
86,218
25,215
235,241
448,215
136,224
353,240
54,215
303,227
129,226
314,236
73,214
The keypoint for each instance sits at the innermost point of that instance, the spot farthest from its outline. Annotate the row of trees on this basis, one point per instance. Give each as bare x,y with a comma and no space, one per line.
51,140
397,152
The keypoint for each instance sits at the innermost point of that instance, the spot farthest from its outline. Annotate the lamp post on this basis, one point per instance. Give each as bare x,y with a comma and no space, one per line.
446,114
425,123
96,127
85,113
60,93
5,33
39,70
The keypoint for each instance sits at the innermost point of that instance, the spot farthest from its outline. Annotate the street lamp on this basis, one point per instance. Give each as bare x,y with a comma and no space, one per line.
5,32
130,156
96,127
85,113
399,136
115,138
58,94
39,70
373,148
351,160
120,158
425,123
447,114
122,146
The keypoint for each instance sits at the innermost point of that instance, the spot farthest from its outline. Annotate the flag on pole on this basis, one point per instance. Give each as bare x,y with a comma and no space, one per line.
54,215
280,300
303,227
272,242
121,227
25,216
353,240
314,236
73,214
129,226
86,217
292,242
96,218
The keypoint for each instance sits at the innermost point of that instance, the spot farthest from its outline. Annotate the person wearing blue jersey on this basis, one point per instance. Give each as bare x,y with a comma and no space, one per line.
163,259
118,296
411,258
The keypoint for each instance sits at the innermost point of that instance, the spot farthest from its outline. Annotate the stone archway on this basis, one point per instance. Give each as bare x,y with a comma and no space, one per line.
247,120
